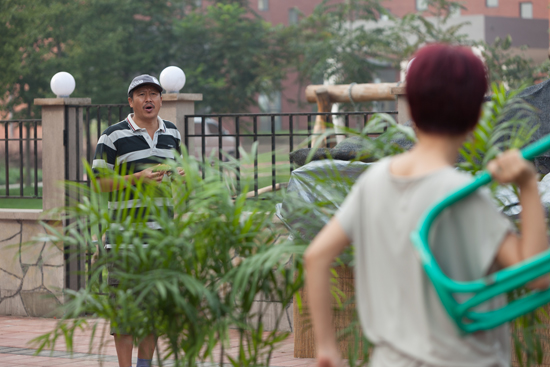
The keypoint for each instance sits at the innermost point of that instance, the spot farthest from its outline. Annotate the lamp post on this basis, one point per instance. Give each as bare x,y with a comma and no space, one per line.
172,79
62,84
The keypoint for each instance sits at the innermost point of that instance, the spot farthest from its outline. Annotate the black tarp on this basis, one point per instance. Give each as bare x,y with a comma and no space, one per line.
316,191
538,96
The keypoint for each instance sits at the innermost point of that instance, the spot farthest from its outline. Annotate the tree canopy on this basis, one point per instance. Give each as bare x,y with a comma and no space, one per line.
227,54
227,51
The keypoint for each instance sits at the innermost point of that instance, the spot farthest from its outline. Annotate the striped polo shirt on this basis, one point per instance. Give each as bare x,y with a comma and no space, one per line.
125,143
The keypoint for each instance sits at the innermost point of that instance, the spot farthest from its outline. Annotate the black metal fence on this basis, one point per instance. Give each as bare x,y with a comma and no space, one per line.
91,121
222,135
21,159
275,136
83,127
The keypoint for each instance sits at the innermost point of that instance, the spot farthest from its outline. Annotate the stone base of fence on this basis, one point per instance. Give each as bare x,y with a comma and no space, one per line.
32,273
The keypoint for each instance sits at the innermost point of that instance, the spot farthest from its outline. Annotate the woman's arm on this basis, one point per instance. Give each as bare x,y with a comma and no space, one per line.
510,167
320,255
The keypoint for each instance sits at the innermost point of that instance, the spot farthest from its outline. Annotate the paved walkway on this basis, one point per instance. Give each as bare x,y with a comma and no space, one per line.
17,332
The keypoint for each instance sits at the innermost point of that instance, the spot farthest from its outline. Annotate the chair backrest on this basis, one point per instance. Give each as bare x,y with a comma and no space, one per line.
466,315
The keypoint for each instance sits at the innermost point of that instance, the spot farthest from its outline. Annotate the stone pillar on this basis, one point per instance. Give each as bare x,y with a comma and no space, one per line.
403,114
61,130
54,138
175,106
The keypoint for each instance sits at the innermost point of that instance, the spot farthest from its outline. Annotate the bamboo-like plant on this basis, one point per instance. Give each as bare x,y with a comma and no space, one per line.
508,122
190,281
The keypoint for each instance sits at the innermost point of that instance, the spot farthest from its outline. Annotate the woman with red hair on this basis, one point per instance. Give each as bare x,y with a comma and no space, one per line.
399,310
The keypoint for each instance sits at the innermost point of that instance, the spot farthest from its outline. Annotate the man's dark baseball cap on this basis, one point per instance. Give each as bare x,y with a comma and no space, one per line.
142,80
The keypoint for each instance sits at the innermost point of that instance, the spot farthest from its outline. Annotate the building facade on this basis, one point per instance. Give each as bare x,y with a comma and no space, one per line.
525,21
534,9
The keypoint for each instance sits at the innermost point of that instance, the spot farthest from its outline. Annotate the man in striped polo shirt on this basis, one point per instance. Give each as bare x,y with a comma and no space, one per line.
140,142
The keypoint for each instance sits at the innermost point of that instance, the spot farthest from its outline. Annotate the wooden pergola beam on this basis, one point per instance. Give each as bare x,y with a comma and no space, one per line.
359,92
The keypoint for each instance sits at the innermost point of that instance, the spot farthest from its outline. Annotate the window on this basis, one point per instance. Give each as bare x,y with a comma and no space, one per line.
421,5
263,5
491,3
526,10
455,12
385,16
293,16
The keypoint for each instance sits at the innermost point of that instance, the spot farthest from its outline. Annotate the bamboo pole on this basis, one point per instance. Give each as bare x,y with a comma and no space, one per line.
263,190
359,92
323,105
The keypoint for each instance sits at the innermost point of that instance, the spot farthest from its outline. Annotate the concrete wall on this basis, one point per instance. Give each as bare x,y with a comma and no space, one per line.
32,276
505,8
524,32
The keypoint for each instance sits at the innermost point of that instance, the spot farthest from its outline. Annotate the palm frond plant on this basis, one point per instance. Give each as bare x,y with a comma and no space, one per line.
508,122
201,274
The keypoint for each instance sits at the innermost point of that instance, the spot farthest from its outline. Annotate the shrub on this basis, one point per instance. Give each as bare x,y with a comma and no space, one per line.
192,280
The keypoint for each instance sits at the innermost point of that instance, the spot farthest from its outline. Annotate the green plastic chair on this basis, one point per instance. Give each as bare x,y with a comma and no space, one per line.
464,314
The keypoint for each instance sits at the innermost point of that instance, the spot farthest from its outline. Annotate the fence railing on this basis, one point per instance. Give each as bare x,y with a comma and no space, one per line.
276,135
91,121
20,159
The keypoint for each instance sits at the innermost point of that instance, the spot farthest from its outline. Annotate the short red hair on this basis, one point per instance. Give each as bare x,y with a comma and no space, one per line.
445,89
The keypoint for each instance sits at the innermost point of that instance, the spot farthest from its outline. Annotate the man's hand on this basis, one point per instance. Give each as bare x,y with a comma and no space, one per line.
166,169
150,175
510,167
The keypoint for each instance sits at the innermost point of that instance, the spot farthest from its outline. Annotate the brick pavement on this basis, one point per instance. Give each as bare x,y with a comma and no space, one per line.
17,332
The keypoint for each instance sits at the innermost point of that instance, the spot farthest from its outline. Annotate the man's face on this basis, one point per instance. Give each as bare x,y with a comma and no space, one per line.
146,102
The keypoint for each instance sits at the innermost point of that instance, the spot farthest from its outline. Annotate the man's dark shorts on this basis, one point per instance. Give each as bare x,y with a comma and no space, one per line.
113,282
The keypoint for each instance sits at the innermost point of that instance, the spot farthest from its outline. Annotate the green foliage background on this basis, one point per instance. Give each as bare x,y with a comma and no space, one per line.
229,53
226,53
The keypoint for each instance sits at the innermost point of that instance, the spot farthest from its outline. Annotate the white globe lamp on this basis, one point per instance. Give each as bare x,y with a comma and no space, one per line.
62,84
172,79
